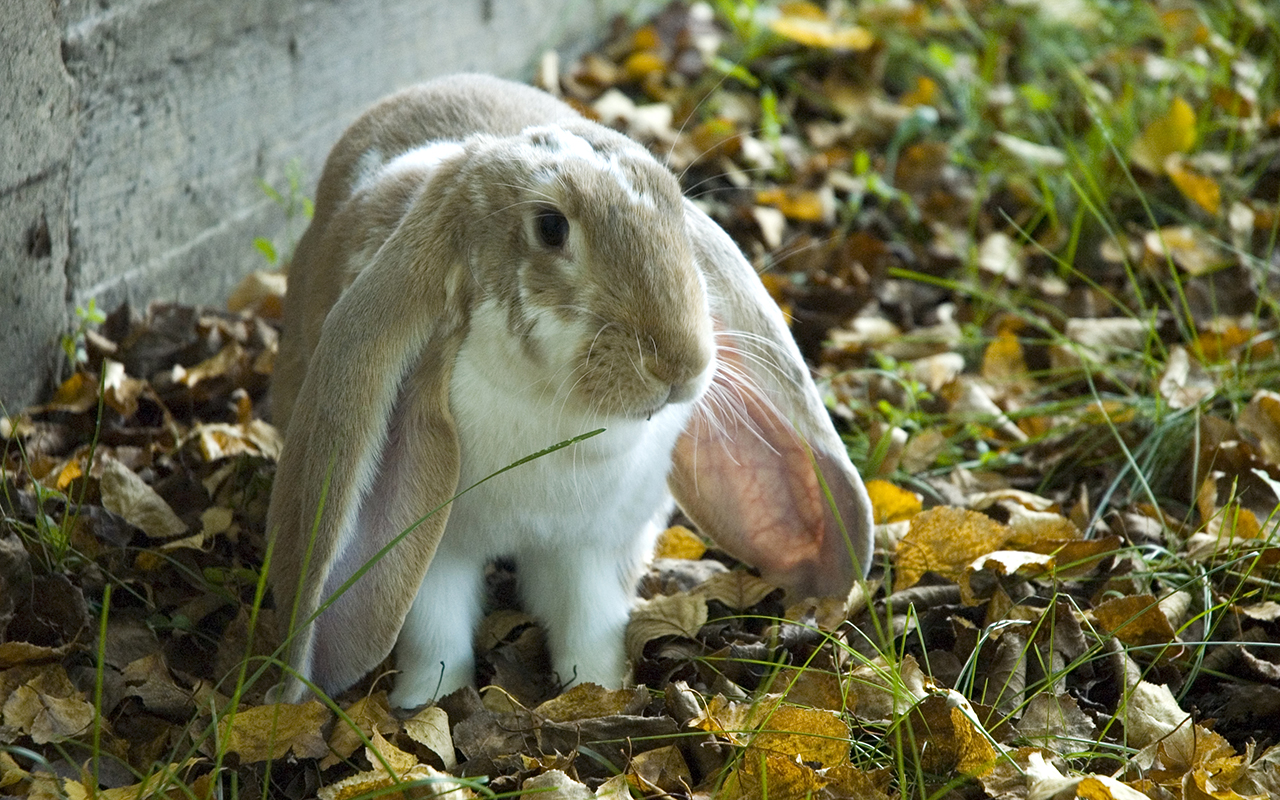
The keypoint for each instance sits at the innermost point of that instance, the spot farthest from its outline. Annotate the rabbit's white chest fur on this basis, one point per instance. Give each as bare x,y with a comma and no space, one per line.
506,408
579,522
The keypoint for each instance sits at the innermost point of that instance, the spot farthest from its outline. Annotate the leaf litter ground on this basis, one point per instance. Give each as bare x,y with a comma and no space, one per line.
1032,256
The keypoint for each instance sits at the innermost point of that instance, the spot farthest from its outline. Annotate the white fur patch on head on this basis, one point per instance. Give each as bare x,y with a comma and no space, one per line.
569,145
371,170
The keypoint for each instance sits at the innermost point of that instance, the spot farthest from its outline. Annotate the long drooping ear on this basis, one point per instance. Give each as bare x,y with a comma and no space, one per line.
760,468
370,450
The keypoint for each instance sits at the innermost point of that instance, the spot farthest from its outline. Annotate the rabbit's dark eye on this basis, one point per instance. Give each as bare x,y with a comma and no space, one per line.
552,226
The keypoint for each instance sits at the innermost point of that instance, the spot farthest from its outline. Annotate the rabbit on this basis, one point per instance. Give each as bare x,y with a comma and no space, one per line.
488,273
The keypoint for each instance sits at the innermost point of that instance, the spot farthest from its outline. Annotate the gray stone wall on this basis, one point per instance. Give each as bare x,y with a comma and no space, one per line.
133,132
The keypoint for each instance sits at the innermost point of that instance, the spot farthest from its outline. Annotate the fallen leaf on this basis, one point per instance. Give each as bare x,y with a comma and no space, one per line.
737,589
661,770
890,503
1199,189
262,733
807,24
368,714
679,615
945,540
124,493
45,704
1137,620
679,542
1174,132
430,728
590,700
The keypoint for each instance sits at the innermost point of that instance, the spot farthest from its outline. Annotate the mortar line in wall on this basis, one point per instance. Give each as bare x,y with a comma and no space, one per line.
157,263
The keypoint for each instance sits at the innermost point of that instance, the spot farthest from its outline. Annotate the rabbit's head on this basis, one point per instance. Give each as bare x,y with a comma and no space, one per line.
581,236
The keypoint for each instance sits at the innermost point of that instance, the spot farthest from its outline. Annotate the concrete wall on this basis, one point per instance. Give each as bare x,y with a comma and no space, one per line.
133,132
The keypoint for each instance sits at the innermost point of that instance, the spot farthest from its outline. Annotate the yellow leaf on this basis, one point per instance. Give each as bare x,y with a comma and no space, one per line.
679,542
737,589
797,204
945,540
588,701
1174,132
270,732
947,739
430,728
809,734
69,472
925,93
1199,189
1136,620
367,714
76,395
806,24
663,769
640,64
397,760
1003,361
890,503
772,776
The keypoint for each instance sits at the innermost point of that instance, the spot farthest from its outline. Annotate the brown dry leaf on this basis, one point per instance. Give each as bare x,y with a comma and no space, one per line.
227,360
270,732
945,540
981,578
885,691
808,734
1185,383
1055,722
807,24
13,654
166,781
772,776
1151,715
219,440
661,770
1077,556
124,493
1029,528
1003,361
261,293
670,615
119,390
75,395
798,204
367,714
1174,132
384,755
375,783
947,738
1136,620
924,93
1260,419
1192,249
737,589
679,542
45,704
1199,189
732,719
814,688
591,700
430,728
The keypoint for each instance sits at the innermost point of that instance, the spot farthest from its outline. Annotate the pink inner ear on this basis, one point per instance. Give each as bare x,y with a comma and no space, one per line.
749,480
